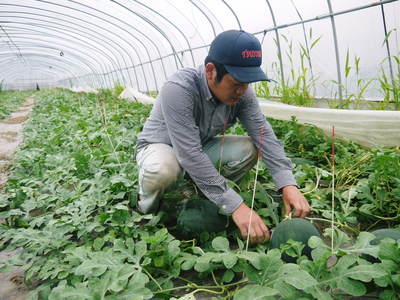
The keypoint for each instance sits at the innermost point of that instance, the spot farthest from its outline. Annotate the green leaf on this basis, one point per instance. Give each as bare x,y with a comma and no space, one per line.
203,262
255,292
345,263
389,266
253,257
120,179
286,290
158,237
388,295
121,206
197,250
4,201
363,246
346,270
251,272
159,261
98,264
173,249
365,273
300,279
351,287
396,279
188,262
229,260
339,237
320,294
133,293
228,276
11,212
99,285
126,249
220,244
63,291
119,277
389,250
140,249
240,243
98,244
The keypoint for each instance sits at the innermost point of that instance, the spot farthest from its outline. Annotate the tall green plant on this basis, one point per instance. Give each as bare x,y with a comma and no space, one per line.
352,99
362,84
390,87
297,88
118,89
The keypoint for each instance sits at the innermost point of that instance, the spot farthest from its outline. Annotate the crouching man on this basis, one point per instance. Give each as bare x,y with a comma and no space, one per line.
193,107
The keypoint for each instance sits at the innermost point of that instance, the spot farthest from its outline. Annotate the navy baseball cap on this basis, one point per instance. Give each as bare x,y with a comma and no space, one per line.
240,53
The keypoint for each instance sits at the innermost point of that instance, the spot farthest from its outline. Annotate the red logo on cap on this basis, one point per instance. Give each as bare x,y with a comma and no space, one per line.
251,53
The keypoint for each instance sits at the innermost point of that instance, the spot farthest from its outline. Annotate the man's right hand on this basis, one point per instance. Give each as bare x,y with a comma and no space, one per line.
258,230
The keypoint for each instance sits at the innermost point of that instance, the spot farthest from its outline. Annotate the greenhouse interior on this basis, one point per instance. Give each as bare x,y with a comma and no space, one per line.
279,127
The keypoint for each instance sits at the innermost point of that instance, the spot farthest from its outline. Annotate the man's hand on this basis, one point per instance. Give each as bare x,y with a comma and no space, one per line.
293,199
258,230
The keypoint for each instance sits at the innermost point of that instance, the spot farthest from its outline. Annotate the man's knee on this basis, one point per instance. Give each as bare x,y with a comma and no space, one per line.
245,152
158,171
160,175
242,156
249,150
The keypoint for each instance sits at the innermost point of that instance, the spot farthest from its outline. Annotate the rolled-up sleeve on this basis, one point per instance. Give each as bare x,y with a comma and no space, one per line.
177,104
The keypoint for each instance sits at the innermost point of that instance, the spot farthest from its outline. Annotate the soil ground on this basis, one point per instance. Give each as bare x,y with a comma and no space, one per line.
12,285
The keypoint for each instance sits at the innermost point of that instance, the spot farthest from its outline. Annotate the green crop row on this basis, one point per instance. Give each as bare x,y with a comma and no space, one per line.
366,181
10,101
70,205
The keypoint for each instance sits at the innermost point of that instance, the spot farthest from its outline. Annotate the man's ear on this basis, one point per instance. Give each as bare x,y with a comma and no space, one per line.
210,70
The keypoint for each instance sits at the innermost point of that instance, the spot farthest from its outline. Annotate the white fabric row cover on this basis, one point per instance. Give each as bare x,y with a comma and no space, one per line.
133,94
369,128
83,89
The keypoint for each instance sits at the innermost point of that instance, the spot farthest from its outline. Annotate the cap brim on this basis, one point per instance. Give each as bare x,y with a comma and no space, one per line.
246,74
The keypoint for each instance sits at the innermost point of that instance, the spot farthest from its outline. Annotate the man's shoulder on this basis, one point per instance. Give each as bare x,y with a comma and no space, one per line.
189,81
185,77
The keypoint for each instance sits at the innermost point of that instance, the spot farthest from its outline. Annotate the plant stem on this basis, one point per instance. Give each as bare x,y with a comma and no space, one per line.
152,278
203,288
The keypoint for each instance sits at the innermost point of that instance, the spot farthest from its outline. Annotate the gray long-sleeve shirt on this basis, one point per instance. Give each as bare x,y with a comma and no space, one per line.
186,116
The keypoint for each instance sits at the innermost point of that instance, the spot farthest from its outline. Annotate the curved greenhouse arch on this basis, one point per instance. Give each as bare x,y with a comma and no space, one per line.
148,41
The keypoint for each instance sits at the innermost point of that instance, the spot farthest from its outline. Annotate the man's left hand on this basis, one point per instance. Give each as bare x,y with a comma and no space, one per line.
295,202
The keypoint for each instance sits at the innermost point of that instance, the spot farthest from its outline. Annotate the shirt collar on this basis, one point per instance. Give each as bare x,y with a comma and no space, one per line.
204,89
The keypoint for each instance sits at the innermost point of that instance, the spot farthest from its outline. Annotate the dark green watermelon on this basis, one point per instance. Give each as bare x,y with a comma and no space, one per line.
380,235
385,233
296,229
200,215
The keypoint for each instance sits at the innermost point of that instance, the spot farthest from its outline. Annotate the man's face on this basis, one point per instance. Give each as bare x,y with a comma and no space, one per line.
228,90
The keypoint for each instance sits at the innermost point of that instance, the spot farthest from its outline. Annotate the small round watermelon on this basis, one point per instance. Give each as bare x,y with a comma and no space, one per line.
200,215
296,229
385,233
381,234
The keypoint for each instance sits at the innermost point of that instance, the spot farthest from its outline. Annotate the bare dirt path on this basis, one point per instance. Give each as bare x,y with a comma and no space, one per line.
12,285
